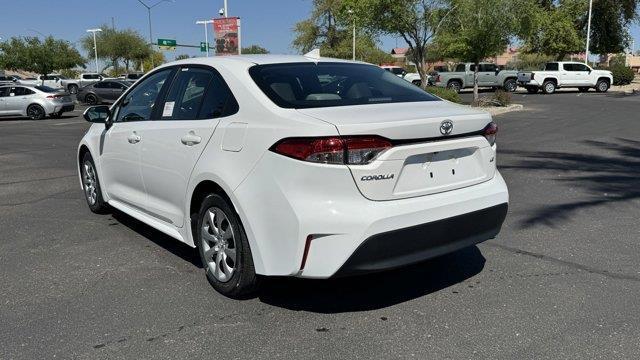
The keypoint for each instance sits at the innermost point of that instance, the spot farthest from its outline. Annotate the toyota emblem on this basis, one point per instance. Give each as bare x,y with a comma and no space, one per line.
446,127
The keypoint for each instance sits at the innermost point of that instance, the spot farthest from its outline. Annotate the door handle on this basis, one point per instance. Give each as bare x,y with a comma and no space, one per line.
134,138
191,139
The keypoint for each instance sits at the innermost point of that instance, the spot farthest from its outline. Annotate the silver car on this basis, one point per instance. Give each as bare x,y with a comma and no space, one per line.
35,102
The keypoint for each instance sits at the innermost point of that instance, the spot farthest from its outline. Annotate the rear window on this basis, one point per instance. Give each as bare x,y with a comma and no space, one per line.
551,67
310,85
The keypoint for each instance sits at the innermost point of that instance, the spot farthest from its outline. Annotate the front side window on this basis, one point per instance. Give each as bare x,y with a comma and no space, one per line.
308,85
488,67
580,67
138,104
20,91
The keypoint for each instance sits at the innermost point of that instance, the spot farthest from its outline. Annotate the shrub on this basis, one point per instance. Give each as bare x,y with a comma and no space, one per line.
622,75
501,98
445,94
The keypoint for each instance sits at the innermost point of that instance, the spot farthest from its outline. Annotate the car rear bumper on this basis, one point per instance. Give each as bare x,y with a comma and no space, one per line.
63,108
425,241
528,83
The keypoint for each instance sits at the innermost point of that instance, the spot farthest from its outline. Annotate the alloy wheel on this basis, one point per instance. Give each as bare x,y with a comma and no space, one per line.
90,182
35,112
218,243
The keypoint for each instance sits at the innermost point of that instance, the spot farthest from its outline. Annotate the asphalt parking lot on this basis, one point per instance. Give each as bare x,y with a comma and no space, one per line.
561,281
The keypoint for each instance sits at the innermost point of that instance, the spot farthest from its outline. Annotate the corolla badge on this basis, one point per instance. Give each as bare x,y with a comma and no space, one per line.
446,127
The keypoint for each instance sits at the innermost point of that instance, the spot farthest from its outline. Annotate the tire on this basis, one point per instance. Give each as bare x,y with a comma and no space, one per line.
73,89
224,249
532,89
417,83
57,115
583,89
91,185
35,112
91,99
454,85
549,87
510,85
602,86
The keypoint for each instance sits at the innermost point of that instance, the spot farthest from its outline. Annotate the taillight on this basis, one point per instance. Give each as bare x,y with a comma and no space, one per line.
438,78
352,150
55,96
490,132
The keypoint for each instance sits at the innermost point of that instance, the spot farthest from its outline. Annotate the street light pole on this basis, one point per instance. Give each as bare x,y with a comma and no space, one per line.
226,9
586,57
95,46
149,16
206,31
353,43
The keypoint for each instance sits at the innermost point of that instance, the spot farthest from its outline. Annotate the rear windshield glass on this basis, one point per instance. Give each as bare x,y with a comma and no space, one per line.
308,85
46,89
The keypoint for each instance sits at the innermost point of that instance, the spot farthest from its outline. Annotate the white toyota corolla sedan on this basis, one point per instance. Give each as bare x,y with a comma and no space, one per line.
294,166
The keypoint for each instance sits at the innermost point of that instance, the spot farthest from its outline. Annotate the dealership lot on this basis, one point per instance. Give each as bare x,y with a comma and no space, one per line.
561,281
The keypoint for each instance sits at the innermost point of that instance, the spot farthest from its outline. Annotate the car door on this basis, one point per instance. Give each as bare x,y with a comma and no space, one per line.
4,92
121,143
487,75
581,74
115,90
18,100
172,144
102,90
568,77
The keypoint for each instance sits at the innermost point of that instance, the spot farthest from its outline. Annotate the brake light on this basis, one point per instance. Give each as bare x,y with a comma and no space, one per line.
55,96
353,150
490,132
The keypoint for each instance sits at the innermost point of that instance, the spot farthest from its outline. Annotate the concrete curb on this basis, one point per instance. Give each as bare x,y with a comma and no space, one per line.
497,110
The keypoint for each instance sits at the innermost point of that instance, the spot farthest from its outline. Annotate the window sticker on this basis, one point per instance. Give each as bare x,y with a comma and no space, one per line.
168,109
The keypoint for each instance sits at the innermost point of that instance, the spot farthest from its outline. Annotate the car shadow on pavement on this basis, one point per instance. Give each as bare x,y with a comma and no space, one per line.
176,247
608,179
373,291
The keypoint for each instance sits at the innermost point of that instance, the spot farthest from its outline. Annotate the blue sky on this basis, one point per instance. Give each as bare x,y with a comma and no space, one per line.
268,23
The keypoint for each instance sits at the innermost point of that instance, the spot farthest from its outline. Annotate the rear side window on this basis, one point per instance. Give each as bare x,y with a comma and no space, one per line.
460,68
310,85
551,67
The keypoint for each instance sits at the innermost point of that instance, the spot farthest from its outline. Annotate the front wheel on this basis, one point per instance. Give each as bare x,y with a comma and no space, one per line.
455,86
224,249
73,89
91,185
602,86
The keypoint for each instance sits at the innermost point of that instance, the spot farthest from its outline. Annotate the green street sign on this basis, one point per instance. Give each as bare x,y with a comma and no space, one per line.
203,46
166,44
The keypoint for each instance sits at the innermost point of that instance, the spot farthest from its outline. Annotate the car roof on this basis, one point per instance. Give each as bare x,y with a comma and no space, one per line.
248,60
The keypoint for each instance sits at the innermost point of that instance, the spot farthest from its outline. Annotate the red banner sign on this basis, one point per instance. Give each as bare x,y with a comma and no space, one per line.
227,38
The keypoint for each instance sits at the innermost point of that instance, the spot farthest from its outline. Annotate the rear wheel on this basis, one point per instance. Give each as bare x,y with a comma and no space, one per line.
510,85
91,99
73,89
224,249
91,185
532,89
57,115
454,85
602,86
35,112
417,83
549,87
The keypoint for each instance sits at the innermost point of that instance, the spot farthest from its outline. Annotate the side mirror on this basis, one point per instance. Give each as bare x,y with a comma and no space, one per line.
99,115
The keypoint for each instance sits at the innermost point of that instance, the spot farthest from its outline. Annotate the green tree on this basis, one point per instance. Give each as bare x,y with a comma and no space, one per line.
478,29
254,49
41,57
118,45
610,23
416,21
329,28
555,28
147,64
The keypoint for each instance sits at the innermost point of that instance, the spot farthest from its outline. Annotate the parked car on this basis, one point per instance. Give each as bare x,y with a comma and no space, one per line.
268,168
103,91
35,102
565,74
9,79
133,77
413,78
489,75
53,81
72,85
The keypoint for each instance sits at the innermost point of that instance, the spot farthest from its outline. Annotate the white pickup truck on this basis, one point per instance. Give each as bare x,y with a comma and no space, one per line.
413,78
72,85
568,74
